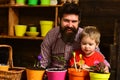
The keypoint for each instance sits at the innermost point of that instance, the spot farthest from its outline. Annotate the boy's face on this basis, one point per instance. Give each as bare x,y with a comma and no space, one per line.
88,45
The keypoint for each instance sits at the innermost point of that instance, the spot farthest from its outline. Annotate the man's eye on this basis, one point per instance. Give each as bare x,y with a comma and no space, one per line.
74,21
65,20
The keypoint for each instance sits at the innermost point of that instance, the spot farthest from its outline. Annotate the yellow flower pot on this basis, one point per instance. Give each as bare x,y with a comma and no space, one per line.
99,76
45,27
20,30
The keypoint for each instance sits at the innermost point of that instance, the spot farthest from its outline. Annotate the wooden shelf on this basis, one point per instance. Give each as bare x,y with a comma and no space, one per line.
23,37
35,6
3,6
15,5
16,14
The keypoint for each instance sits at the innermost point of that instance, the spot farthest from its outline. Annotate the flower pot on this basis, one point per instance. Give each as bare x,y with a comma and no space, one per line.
45,27
32,2
78,75
20,2
56,75
99,76
34,74
20,30
45,2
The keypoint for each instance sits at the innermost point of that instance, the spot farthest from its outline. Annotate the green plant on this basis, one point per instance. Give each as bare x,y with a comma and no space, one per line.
37,64
61,59
99,67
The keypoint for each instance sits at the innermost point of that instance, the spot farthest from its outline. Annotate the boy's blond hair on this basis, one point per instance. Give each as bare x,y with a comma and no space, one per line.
92,32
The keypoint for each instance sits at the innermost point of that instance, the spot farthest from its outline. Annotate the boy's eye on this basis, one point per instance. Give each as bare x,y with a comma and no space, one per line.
87,43
90,44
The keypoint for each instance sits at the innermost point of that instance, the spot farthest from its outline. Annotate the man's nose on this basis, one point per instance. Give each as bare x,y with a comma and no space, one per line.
70,24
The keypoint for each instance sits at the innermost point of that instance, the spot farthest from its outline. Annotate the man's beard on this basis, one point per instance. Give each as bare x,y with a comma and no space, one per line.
68,37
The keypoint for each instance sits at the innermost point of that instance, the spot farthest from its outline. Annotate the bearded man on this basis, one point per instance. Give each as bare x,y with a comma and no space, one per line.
61,41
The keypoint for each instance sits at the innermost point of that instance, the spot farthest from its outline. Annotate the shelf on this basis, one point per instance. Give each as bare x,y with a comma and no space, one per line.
24,37
3,6
13,14
35,6
7,5
18,15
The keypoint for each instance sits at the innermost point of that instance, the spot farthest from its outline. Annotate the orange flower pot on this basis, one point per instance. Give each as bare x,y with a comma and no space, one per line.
78,75
34,74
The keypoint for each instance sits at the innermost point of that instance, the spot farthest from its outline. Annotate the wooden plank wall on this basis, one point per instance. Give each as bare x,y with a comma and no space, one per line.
104,15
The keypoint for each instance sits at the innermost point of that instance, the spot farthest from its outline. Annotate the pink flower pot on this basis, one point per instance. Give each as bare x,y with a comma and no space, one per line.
56,75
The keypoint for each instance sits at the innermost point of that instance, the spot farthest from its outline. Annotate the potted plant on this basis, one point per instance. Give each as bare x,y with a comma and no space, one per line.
98,72
77,72
55,73
35,72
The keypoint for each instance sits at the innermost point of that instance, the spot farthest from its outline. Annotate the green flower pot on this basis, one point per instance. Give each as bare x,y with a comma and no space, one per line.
20,2
45,2
32,2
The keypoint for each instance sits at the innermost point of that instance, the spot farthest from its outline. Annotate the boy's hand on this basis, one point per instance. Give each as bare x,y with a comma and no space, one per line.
106,69
83,66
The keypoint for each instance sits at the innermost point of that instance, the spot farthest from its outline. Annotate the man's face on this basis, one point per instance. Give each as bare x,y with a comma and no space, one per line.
69,27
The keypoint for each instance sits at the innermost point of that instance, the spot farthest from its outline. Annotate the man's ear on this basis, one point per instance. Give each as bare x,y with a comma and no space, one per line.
79,21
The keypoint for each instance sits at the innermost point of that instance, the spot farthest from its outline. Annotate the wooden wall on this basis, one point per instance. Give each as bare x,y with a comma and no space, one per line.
105,15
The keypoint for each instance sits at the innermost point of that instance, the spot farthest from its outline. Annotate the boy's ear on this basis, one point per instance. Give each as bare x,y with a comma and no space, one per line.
97,46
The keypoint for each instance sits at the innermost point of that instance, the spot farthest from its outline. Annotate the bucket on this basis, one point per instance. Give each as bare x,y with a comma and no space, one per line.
4,67
45,2
34,74
78,75
45,27
99,76
56,75
20,2
33,29
32,2
20,30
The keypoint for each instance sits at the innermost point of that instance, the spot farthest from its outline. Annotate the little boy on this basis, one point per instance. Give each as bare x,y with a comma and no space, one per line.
89,41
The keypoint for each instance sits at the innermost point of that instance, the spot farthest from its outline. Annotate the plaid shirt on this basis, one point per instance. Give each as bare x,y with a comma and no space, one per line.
53,48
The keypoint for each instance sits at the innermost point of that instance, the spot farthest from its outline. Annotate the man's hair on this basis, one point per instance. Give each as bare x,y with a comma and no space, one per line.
92,32
69,8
